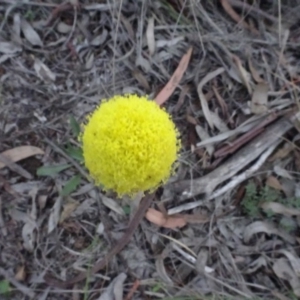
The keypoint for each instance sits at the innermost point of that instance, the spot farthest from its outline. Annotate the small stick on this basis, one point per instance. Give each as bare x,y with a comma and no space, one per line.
133,289
239,142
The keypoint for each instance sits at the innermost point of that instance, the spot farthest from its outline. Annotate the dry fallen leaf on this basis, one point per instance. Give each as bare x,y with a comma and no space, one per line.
16,29
85,206
100,39
138,75
89,62
202,260
259,101
254,72
29,235
169,43
128,26
63,27
207,113
43,72
278,208
221,101
160,267
143,63
136,259
283,270
4,58
293,259
9,48
182,96
20,153
282,172
42,201
156,217
68,209
234,74
274,183
219,123
268,228
283,152
30,34
169,88
115,289
74,3
14,167
204,135
150,36
55,214
244,75
113,205
256,264
279,295
195,218
234,15
21,274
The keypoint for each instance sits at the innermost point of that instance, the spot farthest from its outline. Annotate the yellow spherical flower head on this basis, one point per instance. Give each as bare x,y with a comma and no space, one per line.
130,145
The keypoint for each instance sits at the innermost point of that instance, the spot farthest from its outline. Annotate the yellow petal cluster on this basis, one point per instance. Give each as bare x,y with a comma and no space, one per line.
130,145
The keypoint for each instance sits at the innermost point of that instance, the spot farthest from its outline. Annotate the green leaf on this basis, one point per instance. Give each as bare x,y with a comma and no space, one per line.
51,170
74,126
71,185
74,152
4,287
126,209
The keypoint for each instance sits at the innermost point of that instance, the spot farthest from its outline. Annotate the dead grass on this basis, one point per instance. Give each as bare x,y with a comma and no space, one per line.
236,108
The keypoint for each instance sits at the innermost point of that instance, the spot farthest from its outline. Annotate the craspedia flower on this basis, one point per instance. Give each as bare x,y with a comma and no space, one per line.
130,145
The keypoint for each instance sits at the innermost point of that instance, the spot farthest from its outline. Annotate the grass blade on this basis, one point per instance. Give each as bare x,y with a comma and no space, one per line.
51,170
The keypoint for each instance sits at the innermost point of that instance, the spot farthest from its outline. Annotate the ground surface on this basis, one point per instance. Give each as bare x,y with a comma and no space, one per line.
237,188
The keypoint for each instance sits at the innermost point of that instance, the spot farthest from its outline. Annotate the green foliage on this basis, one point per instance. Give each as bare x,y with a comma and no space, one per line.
287,224
176,16
251,200
291,202
127,209
292,296
51,170
71,185
89,250
5,287
74,126
29,15
254,197
74,152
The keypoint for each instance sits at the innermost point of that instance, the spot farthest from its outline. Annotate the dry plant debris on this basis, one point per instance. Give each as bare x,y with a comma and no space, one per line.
226,225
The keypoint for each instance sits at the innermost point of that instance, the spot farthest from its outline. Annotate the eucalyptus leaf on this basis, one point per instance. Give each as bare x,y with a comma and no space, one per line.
126,209
5,287
74,152
52,170
71,185
74,126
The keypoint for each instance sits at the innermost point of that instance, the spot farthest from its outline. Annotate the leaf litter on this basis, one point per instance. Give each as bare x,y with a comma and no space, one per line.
234,75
